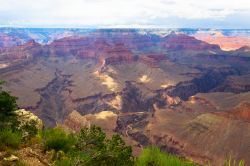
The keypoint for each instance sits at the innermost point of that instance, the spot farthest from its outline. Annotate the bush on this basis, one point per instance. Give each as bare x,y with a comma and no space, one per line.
93,149
7,103
57,139
101,151
29,130
10,139
91,139
231,162
8,106
72,158
152,156
117,152
64,162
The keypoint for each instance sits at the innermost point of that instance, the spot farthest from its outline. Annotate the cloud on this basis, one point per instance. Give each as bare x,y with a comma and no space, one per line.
81,13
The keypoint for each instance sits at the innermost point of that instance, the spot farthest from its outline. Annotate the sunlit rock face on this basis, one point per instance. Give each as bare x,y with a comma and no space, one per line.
226,42
151,86
105,119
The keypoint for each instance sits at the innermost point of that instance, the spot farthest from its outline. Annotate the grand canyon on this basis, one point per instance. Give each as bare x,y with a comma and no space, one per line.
183,90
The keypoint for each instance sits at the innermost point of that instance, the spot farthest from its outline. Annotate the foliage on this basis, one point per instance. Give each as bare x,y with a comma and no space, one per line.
57,139
152,156
20,163
117,153
29,130
9,119
7,107
73,158
93,148
7,102
91,139
9,139
231,162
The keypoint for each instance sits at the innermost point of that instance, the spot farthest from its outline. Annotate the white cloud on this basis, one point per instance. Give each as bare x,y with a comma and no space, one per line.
116,12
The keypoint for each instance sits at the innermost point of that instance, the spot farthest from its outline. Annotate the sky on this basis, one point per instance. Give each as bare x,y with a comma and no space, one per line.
126,13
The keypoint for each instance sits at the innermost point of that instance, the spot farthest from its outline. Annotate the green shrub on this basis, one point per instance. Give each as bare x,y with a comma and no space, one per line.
29,130
72,158
64,162
93,149
20,163
231,162
10,139
7,102
152,156
91,139
8,106
57,139
101,151
117,152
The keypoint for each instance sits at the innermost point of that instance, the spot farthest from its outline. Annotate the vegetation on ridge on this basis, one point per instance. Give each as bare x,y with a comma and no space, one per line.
154,156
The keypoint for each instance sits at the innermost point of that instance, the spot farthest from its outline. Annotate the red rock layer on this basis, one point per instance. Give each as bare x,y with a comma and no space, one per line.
20,52
153,59
98,49
185,42
226,43
240,112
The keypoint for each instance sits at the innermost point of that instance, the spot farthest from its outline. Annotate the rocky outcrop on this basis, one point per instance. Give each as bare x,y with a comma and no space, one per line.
26,117
9,41
87,47
24,51
152,60
105,119
235,84
68,45
241,112
207,82
226,41
116,54
177,42
242,51
131,38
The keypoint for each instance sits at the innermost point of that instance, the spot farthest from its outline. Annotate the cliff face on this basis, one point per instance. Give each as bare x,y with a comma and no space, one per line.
97,49
68,45
240,112
177,42
152,60
110,47
225,41
9,41
29,49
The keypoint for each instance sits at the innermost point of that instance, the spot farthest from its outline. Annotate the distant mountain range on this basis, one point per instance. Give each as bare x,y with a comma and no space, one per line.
227,38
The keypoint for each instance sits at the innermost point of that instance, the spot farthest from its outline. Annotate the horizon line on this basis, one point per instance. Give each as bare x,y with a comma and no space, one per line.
92,28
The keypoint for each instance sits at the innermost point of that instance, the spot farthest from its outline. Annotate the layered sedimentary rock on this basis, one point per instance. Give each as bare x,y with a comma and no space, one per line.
153,59
184,42
226,42
29,49
9,41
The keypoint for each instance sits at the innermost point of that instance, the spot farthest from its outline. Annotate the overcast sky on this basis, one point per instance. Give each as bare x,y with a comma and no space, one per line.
126,13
